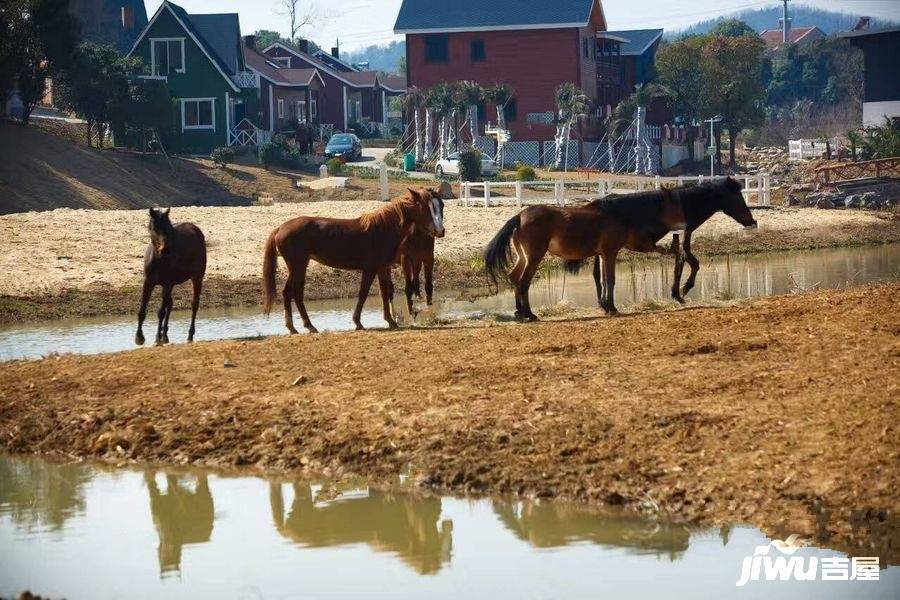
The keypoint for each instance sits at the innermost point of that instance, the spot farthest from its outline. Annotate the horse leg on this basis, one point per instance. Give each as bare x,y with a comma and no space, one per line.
167,294
428,265
679,269
142,311
515,275
409,289
598,281
534,261
195,304
287,295
364,285
161,315
609,281
693,262
386,285
299,285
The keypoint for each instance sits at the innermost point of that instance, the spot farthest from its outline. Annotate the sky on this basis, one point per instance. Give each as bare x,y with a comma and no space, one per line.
359,23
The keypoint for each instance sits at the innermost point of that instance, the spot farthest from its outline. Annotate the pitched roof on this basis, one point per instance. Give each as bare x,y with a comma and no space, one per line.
277,74
861,33
773,37
393,83
337,63
362,78
639,40
418,16
221,28
353,79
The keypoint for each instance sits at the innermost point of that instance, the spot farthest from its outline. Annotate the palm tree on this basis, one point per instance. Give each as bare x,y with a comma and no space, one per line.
413,101
499,95
624,114
471,94
571,103
440,102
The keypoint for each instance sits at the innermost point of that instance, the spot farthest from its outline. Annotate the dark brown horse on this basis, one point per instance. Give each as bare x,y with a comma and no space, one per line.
175,254
369,243
602,228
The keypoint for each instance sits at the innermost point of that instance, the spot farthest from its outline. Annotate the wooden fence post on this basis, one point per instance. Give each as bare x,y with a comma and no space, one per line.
519,187
465,193
487,194
383,182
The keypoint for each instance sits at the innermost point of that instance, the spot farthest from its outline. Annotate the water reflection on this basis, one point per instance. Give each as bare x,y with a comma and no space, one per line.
77,531
183,514
36,497
401,524
549,525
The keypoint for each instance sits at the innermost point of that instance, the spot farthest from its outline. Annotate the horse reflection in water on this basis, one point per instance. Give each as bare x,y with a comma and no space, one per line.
547,525
396,523
182,515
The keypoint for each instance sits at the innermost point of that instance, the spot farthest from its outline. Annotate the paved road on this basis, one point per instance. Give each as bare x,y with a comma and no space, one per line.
374,157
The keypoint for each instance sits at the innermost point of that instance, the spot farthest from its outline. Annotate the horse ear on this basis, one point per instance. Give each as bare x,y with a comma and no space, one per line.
166,212
152,212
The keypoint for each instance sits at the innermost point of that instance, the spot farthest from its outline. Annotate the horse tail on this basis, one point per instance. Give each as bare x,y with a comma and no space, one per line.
270,265
573,267
497,255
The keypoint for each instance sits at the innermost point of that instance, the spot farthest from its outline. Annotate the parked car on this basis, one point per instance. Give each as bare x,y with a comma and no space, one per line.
450,166
344,145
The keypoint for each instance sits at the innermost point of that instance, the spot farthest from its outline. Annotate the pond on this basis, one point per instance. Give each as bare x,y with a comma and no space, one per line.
740,276
81,531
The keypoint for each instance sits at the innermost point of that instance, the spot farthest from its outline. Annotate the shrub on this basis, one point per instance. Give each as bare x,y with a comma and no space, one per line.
525,173
470,165
882,141
269,154
222,156
335,166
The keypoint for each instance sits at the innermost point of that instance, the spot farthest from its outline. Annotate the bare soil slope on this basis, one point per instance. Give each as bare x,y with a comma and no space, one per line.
781,412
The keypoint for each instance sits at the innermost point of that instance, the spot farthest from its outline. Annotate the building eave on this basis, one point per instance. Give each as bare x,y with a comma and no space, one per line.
493,28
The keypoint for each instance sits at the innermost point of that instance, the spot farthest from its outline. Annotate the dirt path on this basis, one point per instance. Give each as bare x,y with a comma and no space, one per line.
83,262
781,412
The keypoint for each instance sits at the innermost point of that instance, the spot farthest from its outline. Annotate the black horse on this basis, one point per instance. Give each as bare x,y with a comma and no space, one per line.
175,254
699,203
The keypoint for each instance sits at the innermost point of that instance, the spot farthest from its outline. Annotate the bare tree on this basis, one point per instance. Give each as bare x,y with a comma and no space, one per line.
299,15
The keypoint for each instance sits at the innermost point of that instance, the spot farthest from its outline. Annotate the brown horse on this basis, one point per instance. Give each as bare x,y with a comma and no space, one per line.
175,254
417,255
369,243
602,228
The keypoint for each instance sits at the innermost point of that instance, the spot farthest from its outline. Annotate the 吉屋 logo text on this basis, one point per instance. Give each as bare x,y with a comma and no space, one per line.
786,567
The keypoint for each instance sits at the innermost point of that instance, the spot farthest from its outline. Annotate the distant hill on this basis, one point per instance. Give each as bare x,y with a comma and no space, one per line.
380,58
767,18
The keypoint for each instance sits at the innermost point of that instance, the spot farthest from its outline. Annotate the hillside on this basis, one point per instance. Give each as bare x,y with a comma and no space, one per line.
380,58
47,166
767,18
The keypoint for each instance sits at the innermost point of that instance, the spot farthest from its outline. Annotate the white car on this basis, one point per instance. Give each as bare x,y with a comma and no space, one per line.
450,166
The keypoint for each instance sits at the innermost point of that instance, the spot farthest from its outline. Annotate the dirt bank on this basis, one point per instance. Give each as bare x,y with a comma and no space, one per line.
781,412
83,262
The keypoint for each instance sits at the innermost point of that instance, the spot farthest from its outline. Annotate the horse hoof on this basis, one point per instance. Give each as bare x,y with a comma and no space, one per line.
312,329
139,339
393,325
531,318
359,327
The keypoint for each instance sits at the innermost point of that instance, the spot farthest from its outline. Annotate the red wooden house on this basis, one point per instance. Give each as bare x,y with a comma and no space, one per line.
532,45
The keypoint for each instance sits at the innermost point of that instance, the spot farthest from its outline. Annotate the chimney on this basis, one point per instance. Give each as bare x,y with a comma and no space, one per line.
336,51
250,41
785,24
863,23
127,18
303,45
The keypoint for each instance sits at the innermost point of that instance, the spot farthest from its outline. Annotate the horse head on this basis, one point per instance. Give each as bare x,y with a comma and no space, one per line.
672,213
161,231
429,216
732,203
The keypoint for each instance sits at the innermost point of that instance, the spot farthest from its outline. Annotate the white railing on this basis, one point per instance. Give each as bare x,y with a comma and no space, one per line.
246,133
246,79
485,193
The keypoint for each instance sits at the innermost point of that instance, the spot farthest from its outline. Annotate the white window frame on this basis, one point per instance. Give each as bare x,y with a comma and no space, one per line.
153,54
284,61
281,108
212,102
313,108
301,110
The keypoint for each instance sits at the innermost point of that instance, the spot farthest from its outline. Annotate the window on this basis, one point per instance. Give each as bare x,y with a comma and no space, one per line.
198,113
166,56
284,61
511,111
281,108
436,49
301,111
584,47
313,108
477,50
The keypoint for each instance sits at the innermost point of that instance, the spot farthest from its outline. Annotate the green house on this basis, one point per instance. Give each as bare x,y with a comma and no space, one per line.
200,58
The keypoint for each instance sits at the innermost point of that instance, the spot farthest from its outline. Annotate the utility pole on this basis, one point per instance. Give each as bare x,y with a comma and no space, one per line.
785,24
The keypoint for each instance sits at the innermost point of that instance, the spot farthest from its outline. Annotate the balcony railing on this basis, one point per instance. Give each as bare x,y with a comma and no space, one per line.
246,79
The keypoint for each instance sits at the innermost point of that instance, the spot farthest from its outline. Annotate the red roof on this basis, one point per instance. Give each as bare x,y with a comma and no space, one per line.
289,77
773,37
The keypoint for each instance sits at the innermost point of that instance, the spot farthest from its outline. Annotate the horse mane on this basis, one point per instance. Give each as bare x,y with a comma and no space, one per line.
389,215
630,208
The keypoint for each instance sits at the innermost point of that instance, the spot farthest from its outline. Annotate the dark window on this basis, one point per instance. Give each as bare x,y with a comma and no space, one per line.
584,47
511,111
477,50
481,112
436,49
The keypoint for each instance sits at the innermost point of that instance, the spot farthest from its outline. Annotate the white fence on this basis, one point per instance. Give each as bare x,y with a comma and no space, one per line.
757,189
246,133
805,149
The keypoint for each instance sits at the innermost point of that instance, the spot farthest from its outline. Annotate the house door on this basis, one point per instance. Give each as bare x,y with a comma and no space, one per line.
240,112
